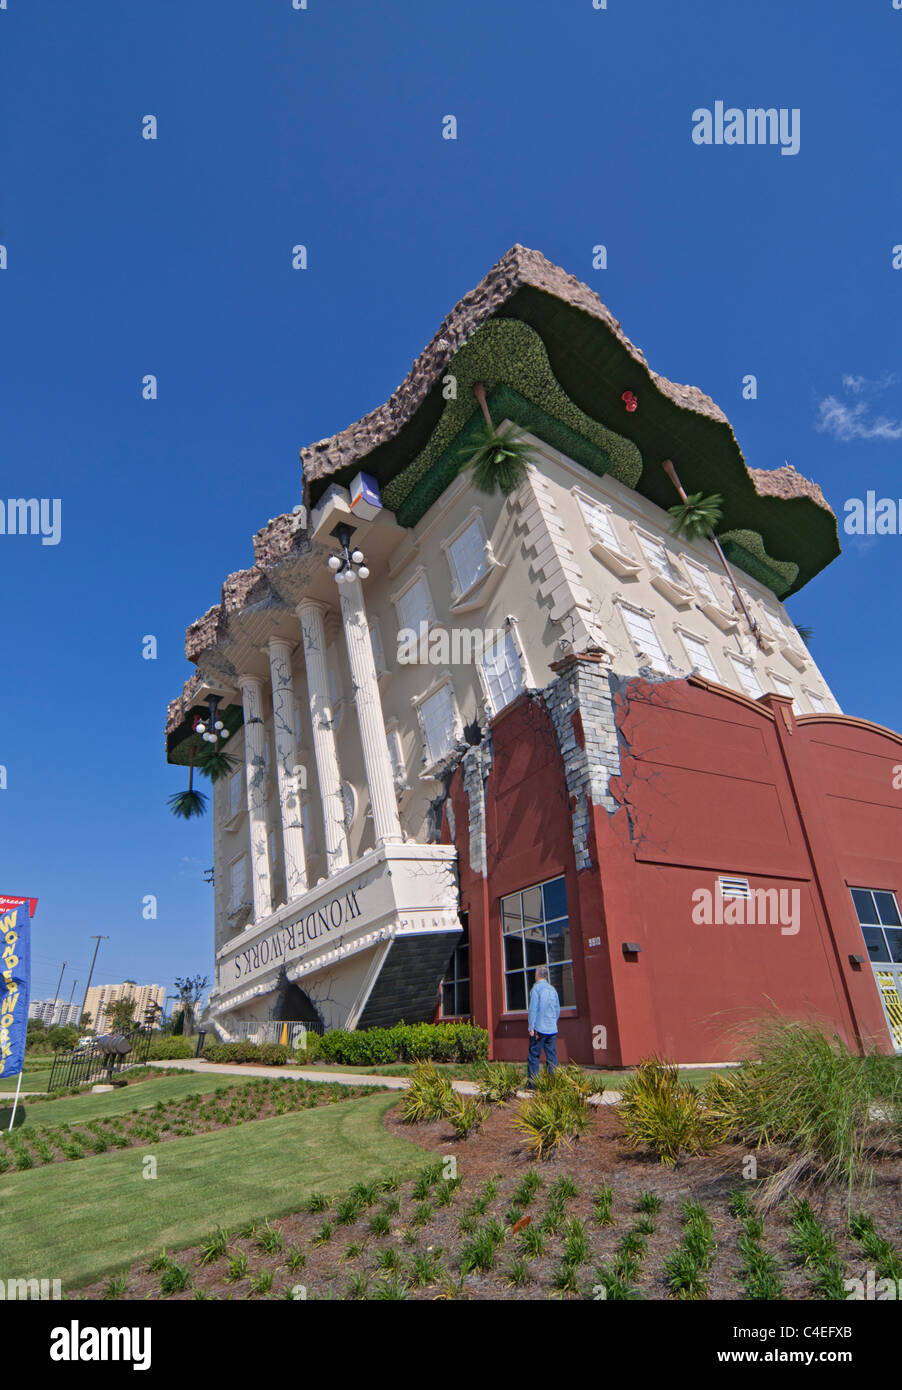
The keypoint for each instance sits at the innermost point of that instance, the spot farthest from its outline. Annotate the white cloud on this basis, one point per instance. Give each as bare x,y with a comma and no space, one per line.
847,422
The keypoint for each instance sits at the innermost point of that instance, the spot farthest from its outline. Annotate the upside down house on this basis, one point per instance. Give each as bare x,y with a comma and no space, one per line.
488,703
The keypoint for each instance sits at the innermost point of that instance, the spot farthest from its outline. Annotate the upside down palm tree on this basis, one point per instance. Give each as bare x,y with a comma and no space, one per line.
697,516
498,459
188,803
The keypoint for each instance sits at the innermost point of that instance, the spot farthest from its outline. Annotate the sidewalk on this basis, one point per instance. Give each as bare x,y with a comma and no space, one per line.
343,1078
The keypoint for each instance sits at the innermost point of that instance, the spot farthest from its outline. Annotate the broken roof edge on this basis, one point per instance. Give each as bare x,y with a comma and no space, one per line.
520,267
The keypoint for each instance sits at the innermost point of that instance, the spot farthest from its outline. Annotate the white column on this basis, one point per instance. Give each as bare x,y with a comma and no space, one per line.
324,750
290,783
255,776
376,757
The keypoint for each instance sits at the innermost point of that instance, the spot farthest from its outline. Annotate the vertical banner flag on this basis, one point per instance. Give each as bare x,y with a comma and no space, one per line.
15,978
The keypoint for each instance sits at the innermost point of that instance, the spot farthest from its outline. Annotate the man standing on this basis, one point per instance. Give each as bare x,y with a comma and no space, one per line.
544,1008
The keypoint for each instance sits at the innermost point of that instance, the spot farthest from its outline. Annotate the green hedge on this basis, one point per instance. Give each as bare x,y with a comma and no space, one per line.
270,1054
406,1042
165,1049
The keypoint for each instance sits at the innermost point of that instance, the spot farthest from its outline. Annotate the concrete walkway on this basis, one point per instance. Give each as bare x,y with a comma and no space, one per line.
343,1078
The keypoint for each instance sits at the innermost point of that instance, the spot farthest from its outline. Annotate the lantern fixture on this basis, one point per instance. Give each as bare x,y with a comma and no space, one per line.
348,565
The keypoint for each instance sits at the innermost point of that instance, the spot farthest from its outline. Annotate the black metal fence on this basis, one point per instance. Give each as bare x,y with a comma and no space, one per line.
96,1062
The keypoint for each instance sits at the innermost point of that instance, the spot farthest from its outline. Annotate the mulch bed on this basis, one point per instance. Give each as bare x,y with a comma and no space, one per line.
498,1151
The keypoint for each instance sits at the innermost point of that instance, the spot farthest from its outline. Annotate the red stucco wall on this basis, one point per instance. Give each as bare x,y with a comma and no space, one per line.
710,783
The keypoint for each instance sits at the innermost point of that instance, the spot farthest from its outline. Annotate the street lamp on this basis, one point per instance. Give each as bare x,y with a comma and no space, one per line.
348,565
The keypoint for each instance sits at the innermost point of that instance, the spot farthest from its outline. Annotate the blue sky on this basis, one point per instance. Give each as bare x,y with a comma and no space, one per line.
323,127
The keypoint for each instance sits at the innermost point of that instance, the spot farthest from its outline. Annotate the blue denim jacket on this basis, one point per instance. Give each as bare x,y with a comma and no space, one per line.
544,1007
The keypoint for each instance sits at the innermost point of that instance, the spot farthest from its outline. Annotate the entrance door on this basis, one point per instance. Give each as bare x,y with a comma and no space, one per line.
881,926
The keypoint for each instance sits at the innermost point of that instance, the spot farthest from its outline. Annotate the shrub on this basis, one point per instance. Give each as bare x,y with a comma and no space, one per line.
829,1107
166,1049
429,1096
660,1112
466,1114
405,1042
270,1054
498,1081
551,1117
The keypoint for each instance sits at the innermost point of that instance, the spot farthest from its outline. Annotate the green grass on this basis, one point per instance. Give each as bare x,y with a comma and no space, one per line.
105,1215
31,1081
72,1109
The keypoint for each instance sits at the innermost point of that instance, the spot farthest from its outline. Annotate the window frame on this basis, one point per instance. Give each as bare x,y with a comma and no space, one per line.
525,970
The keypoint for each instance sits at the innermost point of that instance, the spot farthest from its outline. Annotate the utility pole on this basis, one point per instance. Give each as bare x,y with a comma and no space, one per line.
84,1005
57,995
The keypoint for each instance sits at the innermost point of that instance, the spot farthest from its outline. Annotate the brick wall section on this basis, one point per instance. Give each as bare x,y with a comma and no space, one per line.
580,704
476,765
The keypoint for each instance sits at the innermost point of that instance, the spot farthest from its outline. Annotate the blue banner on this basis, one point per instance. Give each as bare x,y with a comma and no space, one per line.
15,979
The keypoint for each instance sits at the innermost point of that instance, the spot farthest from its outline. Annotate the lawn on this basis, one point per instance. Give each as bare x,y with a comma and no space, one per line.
81,1221
469,1071
71,1109
32,1080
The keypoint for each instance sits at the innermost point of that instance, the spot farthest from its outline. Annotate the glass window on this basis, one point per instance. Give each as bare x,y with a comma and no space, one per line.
467,553
817,704
865,906
439,728
645,639
658,558
747,676
700,656
701,581
886,906
413,606
503,671
536,931
456,984
599,522
878,909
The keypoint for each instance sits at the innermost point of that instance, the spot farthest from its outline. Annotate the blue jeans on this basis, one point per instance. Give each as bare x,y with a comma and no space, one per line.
548,1041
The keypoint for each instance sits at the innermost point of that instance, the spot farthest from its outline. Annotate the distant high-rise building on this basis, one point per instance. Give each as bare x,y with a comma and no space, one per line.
101,998
53,1012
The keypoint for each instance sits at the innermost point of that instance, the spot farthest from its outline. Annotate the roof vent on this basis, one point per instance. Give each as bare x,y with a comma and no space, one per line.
730,887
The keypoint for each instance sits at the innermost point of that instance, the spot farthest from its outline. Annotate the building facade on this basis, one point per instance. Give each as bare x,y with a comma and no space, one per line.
477,732
54,1012
101,998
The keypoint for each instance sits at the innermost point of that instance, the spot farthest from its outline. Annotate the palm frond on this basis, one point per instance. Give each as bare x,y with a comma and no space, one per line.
187,804
806,633
498,460
697,516
217,764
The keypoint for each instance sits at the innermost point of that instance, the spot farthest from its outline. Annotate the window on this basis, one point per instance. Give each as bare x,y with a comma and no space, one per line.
701,581
306,827
273,860
237,883
236,792
536,931
437,715
349,803
700,656
881,926
598,520
745,673
467,555
781,686
818,704
414,605
658,558
645,639
502,671
456,984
